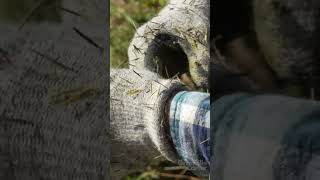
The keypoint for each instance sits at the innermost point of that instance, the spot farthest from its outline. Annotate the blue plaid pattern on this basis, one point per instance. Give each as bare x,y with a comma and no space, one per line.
190,129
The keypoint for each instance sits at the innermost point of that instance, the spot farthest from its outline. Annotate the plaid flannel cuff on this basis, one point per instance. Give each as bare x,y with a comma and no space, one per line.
190,129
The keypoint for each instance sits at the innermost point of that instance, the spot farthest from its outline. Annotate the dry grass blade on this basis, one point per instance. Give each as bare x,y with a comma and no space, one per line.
87,38
137,73
53,60
15,120
174,168
71,96
205,141
130,20
134,92
121,64
178,176
136,59
31,13
160,84
136,49
182,172
167,73
126,80
132,65
70,11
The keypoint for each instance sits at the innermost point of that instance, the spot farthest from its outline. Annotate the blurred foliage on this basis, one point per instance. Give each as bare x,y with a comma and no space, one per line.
126,15
164,171
34,10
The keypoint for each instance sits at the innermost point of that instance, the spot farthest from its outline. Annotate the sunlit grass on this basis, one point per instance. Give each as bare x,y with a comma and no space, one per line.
164,171
126,15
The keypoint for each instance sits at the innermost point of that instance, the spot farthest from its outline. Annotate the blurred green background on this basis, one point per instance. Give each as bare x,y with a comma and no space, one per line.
17,10
125,16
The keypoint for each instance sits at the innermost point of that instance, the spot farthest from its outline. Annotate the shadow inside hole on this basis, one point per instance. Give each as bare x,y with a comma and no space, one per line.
33,10
166,57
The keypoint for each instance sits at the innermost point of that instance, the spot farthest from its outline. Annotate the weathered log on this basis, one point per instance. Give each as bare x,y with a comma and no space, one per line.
175,41
54,98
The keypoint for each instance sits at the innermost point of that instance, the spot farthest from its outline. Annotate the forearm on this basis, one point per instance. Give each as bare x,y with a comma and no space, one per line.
264,137
247,136
190,130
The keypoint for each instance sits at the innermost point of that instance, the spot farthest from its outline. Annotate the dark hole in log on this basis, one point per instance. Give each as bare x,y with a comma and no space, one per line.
166,56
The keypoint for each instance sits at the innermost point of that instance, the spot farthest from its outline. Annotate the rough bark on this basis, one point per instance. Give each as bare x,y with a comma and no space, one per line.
54,98
175,41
